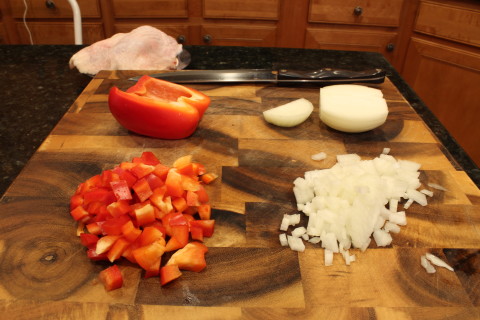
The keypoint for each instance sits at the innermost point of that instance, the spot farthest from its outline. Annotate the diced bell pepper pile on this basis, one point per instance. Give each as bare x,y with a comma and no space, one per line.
141,209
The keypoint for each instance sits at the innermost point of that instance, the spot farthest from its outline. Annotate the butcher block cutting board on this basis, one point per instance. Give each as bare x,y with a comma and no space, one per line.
45,272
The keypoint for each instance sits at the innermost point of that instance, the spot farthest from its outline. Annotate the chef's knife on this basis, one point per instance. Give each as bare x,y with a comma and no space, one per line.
325,76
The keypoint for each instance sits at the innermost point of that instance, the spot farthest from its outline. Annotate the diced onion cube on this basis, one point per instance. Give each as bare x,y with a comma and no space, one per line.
283,239
328,256
382,238
427,265
298,232
319,156
296,244
427,192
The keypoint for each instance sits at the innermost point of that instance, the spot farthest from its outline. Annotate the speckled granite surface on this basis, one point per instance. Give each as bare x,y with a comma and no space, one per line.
37,88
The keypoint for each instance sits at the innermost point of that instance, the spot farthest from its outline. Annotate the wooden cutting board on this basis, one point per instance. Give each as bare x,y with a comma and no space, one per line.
45,272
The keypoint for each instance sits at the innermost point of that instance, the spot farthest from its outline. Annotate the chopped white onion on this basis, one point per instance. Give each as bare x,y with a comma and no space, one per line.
427,192
398,218
437,261
296,244
391,227
328,256
408,204
314,240
382,238
319,156
427,265
298,232
283,239
354,201
285,223
386,151
436,186
393,205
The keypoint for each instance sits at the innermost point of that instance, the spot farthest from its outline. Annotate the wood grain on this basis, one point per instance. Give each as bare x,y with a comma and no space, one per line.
44,272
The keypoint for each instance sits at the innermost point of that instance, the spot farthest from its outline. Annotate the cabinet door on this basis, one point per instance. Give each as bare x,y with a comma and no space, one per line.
59,32
352,39
447,79
238,35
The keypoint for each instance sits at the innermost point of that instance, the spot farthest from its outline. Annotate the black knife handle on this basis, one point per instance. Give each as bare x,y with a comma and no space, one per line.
343,76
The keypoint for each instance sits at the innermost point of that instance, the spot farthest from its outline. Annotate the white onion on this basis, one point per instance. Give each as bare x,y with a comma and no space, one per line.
283,239
352,108
354,201
290,114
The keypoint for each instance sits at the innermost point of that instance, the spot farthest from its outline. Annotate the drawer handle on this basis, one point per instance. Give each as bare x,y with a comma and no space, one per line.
50,4
181,39
390,47
358,11
207,38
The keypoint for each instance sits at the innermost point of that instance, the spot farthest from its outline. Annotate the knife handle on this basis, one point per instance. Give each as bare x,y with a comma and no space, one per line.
338,75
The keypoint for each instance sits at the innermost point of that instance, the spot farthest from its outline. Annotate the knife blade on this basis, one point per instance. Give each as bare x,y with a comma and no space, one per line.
323,76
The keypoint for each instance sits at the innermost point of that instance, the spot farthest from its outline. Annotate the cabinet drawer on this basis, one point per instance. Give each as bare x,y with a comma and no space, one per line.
351,39
60,9
238,35
150,9
364,12
246,9
448,21
59,32
180,32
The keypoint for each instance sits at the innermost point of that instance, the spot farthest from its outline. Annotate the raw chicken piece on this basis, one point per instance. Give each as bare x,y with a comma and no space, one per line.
144,48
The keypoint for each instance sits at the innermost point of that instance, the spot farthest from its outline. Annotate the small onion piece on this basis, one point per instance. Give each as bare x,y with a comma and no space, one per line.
437,261
427,265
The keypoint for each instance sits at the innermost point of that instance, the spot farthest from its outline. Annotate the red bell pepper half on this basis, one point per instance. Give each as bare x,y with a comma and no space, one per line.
158,108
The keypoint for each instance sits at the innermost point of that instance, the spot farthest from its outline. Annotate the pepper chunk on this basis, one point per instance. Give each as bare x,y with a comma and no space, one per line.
158,108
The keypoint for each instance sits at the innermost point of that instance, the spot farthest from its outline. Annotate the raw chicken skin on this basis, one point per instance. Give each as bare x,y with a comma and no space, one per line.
144,48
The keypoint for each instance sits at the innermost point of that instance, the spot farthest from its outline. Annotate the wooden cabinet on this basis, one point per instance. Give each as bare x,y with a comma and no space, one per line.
443,66
362,25
200,22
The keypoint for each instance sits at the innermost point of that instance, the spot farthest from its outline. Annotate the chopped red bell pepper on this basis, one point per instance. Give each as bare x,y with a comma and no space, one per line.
169,273
111,278
121,190
191,257
141,209
158,108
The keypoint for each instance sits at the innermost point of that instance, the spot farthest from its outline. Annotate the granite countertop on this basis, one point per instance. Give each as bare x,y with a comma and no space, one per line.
38,88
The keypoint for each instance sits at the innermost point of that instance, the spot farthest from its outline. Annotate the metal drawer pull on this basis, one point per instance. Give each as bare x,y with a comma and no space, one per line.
50,4
358,11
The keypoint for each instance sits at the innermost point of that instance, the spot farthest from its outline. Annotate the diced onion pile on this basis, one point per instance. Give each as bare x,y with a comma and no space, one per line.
352,201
